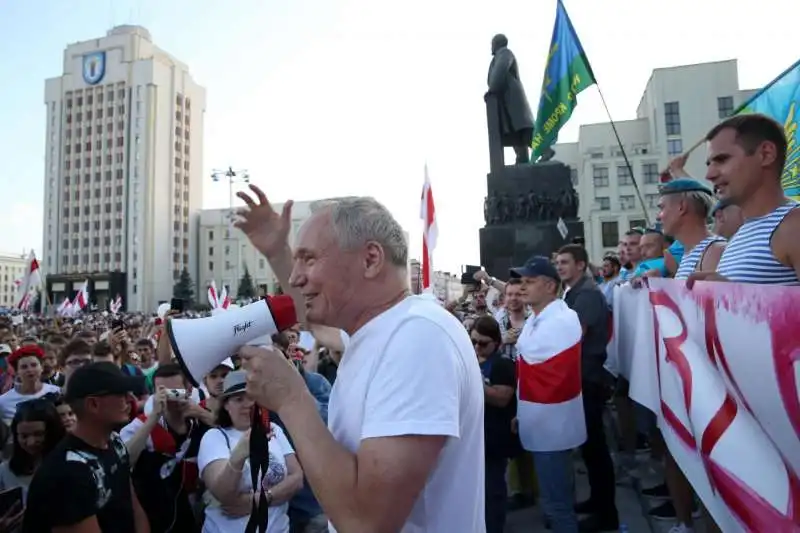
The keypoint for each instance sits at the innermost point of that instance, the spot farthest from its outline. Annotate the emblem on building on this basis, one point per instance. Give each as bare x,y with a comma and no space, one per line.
94,67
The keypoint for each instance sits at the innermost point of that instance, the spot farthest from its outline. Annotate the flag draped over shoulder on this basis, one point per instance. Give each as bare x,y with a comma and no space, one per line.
567,73
550,406
781,101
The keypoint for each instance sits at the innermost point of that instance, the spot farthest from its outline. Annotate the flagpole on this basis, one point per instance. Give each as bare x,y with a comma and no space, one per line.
624,154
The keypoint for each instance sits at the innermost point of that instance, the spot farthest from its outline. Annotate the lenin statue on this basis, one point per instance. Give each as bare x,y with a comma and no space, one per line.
513,110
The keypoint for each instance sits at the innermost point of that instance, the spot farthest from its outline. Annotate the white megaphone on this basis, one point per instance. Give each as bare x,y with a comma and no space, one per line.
200,345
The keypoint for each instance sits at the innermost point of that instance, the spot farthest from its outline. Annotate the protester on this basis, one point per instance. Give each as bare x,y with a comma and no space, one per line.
402,424
584,297
500,443
36,430
225,469
91,461
27,364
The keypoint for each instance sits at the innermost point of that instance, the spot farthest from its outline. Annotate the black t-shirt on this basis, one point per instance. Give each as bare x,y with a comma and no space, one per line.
499,440
77,481
165,499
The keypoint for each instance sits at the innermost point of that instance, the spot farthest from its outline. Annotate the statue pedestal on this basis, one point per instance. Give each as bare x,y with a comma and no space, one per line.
510,240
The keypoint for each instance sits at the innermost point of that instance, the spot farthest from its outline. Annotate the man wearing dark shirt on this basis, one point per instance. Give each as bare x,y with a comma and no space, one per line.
84,484
584,297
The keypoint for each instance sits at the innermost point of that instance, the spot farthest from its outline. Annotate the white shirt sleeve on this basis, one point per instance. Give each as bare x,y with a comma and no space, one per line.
415,386
213,447
130,430
283,442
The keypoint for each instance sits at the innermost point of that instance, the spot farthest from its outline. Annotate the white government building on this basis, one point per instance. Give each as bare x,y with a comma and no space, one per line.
123,170
678,108
12,268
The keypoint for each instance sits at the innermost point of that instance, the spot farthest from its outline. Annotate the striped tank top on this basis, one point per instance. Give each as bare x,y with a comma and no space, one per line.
748,258
690,261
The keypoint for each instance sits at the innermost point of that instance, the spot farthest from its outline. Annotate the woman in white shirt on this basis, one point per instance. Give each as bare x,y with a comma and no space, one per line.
27,364
223,461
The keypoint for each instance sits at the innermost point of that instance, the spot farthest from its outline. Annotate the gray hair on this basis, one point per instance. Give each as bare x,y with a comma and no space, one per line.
701,202
360,219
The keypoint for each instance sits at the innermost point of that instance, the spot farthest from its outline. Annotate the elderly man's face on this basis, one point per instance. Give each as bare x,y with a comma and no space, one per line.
329,278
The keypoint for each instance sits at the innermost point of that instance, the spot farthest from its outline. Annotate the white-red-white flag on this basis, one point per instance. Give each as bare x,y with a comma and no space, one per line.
213,296
115,305
30,282
550,408
224,298
430,232
82,298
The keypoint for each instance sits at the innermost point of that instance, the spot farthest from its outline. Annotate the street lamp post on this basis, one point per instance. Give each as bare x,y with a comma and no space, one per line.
232,176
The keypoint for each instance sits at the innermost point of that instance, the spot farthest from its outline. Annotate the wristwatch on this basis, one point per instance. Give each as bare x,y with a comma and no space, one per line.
268,495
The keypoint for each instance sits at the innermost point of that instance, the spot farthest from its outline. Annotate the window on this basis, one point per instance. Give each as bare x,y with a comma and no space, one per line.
610,233
672,118
573,176
725,106
627,202
211,266
651,200
211,251
650,172
600,176
674,147
624,176
604,202
637,223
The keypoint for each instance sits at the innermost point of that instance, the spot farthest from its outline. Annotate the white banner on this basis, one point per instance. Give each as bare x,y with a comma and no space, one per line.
718,365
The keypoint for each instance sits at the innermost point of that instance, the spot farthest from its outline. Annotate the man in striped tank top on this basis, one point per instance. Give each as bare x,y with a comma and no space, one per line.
684,208
746,156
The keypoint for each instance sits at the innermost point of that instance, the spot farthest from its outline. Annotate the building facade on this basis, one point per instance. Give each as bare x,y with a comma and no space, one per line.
446,286
225,252
12,268
678,108
123,171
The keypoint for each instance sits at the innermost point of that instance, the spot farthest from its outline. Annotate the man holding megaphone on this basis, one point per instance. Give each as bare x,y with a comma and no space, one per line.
404,446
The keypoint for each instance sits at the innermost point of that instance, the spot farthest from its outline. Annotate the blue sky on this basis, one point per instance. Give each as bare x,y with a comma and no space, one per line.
321,98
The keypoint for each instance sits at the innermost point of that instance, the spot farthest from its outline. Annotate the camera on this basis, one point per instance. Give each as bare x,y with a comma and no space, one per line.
468,274
176,395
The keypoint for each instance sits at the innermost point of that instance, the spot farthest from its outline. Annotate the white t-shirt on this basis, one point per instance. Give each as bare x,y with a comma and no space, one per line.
214,447
10,400
412,370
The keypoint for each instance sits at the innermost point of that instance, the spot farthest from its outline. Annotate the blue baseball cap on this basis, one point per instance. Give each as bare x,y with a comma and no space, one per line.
684,185
536,266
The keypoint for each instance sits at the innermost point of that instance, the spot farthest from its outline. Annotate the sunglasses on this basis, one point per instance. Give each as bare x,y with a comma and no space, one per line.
480,344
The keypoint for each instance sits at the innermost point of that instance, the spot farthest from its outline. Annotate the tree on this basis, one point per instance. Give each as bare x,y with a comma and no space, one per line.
184,288
246,289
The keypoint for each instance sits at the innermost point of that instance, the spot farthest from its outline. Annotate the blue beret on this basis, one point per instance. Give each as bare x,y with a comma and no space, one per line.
684,185
722,204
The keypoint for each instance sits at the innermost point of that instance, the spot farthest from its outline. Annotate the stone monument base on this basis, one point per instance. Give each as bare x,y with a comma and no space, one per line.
520,231
508,245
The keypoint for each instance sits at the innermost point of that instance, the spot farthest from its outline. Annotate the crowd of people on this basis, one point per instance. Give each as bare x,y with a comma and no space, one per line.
400,414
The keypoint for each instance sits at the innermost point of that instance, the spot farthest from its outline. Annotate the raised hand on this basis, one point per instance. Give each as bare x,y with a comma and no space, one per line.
266,229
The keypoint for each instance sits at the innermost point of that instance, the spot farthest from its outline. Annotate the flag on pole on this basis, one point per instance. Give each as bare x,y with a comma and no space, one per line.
780,99
567,73
81,300
31,282
430,232
213,297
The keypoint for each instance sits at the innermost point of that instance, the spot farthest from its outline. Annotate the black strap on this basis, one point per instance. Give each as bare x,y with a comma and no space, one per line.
259,463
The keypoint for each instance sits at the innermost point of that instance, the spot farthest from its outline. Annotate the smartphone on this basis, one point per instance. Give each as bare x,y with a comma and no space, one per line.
176,304
117,324
9,498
